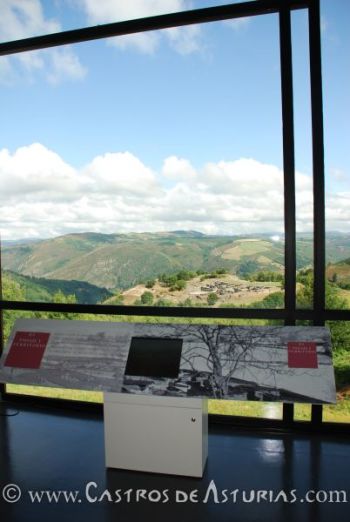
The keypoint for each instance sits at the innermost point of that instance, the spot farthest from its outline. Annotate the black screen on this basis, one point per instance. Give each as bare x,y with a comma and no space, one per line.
154,357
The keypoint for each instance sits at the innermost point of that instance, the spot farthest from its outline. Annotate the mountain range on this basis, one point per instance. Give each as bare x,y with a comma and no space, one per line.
121,261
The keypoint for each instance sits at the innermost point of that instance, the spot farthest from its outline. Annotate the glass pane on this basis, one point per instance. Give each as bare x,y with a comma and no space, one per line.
302,412
340,332
303,159
55,393
147,178
336,97
340,341
336,101
266,410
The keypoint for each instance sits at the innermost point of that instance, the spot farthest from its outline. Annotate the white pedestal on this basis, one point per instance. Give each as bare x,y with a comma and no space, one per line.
156,434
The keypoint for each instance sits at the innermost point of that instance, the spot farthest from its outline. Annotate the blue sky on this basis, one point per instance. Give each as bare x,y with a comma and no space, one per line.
166,130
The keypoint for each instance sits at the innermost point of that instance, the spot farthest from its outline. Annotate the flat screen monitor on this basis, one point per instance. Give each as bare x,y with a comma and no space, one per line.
154,357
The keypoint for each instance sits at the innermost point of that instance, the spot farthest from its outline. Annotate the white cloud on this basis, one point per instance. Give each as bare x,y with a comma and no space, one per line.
145,43
42,195
123,173
238,24
338,210
304,202
184,40
7,74
65,64
31,61
303,182
23,19
243,177
338,174
35,173
114,11
178,168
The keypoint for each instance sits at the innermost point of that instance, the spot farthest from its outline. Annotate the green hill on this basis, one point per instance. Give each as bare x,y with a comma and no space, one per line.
42,290
121,261
124,260
339,273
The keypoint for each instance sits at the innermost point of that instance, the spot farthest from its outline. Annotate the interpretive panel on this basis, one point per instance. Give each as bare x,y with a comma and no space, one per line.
270,363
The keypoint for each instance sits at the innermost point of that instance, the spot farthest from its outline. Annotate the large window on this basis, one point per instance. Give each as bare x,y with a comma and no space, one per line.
155,179
174,171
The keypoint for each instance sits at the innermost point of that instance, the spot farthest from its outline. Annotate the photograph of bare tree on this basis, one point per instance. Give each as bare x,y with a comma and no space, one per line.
244,363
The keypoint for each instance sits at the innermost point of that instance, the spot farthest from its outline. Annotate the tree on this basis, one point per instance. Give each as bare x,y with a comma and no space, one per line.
147,298
180,284
186,302
221,271
170,280
212,298
118,298
340,330
273,300
150,283
247,267
61,298
305,293
12,291
162,302
184,275
225,350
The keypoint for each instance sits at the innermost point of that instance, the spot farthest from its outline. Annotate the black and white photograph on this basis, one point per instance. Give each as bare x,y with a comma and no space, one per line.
180,360
243,363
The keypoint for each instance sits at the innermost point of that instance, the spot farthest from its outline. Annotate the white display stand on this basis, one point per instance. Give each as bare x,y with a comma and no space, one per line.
156,434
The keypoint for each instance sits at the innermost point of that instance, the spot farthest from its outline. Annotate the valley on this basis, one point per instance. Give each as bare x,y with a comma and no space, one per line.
208,270
174,269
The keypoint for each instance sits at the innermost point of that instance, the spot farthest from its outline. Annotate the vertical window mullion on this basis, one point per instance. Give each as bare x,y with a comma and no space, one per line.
318,161
318,175
289,177
288,162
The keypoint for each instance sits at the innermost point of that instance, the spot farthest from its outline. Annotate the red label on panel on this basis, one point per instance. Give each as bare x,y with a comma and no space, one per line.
302,354
27,349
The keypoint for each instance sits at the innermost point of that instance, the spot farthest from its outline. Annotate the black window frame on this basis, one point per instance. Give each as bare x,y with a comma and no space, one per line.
290,314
